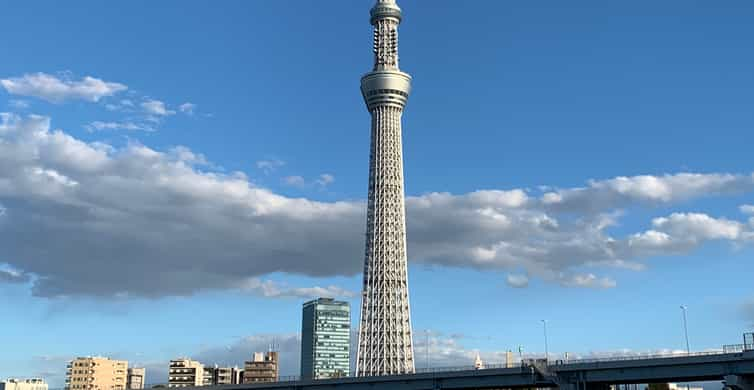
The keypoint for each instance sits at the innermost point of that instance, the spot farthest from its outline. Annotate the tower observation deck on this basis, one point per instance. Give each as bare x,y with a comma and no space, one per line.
385,345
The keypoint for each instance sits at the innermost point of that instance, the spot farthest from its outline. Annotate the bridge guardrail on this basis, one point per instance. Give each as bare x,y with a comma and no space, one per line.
467,368
733,348
644,357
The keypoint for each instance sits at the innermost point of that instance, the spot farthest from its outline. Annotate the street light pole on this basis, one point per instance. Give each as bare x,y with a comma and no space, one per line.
547,353
686,329
427,332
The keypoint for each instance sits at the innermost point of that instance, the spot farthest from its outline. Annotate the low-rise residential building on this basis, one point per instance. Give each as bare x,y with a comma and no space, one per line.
221,375
262,368
208,377
23,384
185,372
135,379
510,361
226,376
96,373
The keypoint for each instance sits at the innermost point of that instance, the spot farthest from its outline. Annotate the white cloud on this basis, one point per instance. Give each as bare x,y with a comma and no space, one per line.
186,155
183,229
652,241
698,227
270,289
187,108
325,180
294,181
620,192
99,125
747,209
269,166
322,181
10,275
587,280
124,105
57,90
53,176
156,107
17,104
517,280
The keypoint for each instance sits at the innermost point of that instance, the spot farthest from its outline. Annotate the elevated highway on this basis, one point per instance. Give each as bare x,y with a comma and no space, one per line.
736,368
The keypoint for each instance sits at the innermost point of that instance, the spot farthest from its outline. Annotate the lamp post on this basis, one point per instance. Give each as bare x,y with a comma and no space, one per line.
544,327
428,346
685,329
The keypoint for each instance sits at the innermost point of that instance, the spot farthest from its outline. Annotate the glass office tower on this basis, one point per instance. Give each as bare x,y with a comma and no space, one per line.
325,339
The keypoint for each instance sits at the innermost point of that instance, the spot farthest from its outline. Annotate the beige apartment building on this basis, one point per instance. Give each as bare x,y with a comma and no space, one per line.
263,368
96,373
23,384
185,372
221,375
135,380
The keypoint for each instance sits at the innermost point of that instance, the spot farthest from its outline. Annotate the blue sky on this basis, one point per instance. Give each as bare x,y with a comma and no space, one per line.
177,178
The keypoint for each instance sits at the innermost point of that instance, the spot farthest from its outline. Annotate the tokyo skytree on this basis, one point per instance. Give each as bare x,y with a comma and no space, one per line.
385,343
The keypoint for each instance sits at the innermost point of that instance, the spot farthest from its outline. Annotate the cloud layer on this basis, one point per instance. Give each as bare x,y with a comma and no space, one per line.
156,107
56,90
91,219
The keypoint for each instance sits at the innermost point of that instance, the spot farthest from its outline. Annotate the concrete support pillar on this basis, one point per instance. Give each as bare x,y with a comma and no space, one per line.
739,382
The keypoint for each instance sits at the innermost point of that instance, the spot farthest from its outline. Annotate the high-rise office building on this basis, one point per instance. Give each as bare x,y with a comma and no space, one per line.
325,339
96,373
135,379
385,343
23,384
262,368
185,372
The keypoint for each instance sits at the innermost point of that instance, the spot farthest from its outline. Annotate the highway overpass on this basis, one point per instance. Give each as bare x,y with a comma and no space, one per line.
737,368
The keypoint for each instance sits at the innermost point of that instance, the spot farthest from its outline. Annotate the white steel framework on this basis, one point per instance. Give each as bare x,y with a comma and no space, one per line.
385,344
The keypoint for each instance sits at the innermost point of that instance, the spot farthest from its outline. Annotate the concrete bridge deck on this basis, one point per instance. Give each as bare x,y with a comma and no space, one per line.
737,367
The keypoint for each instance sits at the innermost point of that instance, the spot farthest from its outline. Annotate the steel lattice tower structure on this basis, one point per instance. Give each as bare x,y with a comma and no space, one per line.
385,343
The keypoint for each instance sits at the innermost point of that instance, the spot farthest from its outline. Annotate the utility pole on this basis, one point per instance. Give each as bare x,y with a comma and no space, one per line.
428,346
547,354
686,333
686,330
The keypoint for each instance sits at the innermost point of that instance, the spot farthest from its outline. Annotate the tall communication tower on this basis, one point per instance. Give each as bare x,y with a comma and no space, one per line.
385,343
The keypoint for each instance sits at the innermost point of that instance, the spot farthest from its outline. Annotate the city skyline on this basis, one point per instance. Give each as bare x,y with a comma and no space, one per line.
588,166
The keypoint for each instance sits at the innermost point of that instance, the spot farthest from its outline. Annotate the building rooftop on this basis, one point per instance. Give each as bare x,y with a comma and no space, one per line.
331,301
